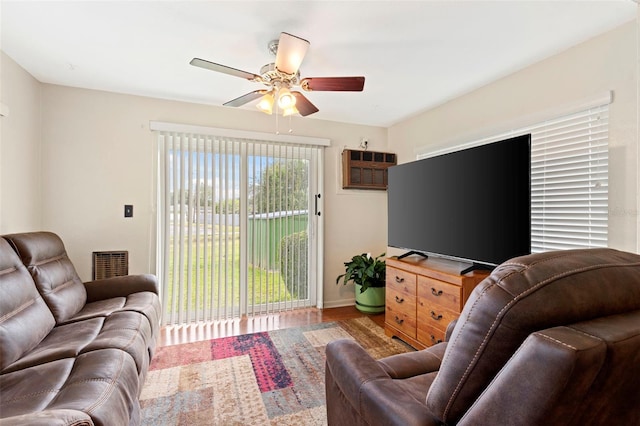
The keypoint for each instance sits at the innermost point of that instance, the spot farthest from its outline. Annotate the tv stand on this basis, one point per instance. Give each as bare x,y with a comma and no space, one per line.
423,296
476,267
412,252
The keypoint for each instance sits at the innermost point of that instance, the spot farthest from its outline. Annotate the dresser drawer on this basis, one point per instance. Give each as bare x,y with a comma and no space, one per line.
434,316
400,301
401,281
439,293
401,319
429,335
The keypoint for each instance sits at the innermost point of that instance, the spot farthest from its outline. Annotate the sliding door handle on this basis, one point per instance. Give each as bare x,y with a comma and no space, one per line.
317,212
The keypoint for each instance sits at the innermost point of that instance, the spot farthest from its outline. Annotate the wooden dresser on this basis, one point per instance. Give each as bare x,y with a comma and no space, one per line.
423,296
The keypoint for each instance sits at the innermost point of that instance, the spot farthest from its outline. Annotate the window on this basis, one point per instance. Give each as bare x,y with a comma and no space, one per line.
569,178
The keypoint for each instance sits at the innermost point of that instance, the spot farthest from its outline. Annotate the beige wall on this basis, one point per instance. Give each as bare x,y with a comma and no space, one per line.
608,62
97,153
20,137
99,156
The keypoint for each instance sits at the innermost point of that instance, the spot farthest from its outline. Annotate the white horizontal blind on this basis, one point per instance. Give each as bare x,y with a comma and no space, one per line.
569,179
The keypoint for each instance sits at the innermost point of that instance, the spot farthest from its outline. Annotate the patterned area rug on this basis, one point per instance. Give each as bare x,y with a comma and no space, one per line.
274,377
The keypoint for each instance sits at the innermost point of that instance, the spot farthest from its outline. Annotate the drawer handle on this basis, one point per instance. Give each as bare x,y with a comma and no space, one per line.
436,292
398,320
399,300
436,316
399,280
434,341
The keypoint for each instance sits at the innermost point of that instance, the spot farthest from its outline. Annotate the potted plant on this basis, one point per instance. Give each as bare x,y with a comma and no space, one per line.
369,275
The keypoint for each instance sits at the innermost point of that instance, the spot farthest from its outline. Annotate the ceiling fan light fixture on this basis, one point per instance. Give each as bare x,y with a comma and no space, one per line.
286,98
290,111
291,51
266,103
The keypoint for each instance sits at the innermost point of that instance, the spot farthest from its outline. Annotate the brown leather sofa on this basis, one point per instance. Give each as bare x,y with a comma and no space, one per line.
546,339
71,353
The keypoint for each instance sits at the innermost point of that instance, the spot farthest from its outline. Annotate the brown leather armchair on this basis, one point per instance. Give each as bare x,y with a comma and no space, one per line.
546,339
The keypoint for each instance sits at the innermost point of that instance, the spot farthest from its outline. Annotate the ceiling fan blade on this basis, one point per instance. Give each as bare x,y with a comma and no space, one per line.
333,84
251,96
303,105
291,51
197,62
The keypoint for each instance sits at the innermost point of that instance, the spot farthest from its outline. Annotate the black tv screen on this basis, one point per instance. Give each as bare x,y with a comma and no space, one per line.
472,205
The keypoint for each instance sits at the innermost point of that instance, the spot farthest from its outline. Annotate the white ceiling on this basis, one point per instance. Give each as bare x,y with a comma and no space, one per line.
415,54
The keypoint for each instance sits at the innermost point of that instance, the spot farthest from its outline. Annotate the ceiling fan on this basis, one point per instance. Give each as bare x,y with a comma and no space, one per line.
283,75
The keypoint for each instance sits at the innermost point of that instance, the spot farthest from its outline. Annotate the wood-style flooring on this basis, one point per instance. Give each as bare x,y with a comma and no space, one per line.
174,335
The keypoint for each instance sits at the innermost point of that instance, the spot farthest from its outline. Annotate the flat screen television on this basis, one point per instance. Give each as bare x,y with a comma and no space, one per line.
472,205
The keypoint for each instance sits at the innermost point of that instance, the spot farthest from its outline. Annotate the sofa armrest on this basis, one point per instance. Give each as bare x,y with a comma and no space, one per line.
351,367
60,417
120,286
361,392
552,371
412,364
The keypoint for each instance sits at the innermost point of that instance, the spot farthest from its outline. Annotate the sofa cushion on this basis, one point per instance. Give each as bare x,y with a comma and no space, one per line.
66,341
129,332
126,331
25,319
33,389
145,303
49,418
56,279
520,297
101,308
102,384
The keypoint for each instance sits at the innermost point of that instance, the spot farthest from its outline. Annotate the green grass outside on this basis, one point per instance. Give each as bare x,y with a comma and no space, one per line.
263,286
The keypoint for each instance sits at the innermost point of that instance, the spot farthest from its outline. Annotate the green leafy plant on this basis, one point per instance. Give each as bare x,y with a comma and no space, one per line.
365,270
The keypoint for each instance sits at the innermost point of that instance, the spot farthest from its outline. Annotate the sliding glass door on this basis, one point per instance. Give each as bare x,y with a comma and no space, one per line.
238,229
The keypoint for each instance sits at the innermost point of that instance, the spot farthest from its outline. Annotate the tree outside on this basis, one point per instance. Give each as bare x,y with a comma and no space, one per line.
282,186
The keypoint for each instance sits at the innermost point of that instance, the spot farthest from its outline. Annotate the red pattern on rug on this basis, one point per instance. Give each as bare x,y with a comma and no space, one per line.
269,370
267,363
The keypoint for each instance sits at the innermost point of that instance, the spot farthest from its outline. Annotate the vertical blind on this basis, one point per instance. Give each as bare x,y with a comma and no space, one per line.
235,226
569,179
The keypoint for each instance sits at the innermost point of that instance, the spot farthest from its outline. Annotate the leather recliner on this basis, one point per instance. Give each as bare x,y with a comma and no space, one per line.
547,339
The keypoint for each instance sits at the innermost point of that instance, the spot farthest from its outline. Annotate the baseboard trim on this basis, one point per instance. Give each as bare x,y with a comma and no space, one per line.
339,303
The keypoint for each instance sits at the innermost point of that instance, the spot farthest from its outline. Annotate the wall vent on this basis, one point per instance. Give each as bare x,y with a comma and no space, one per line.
107,264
